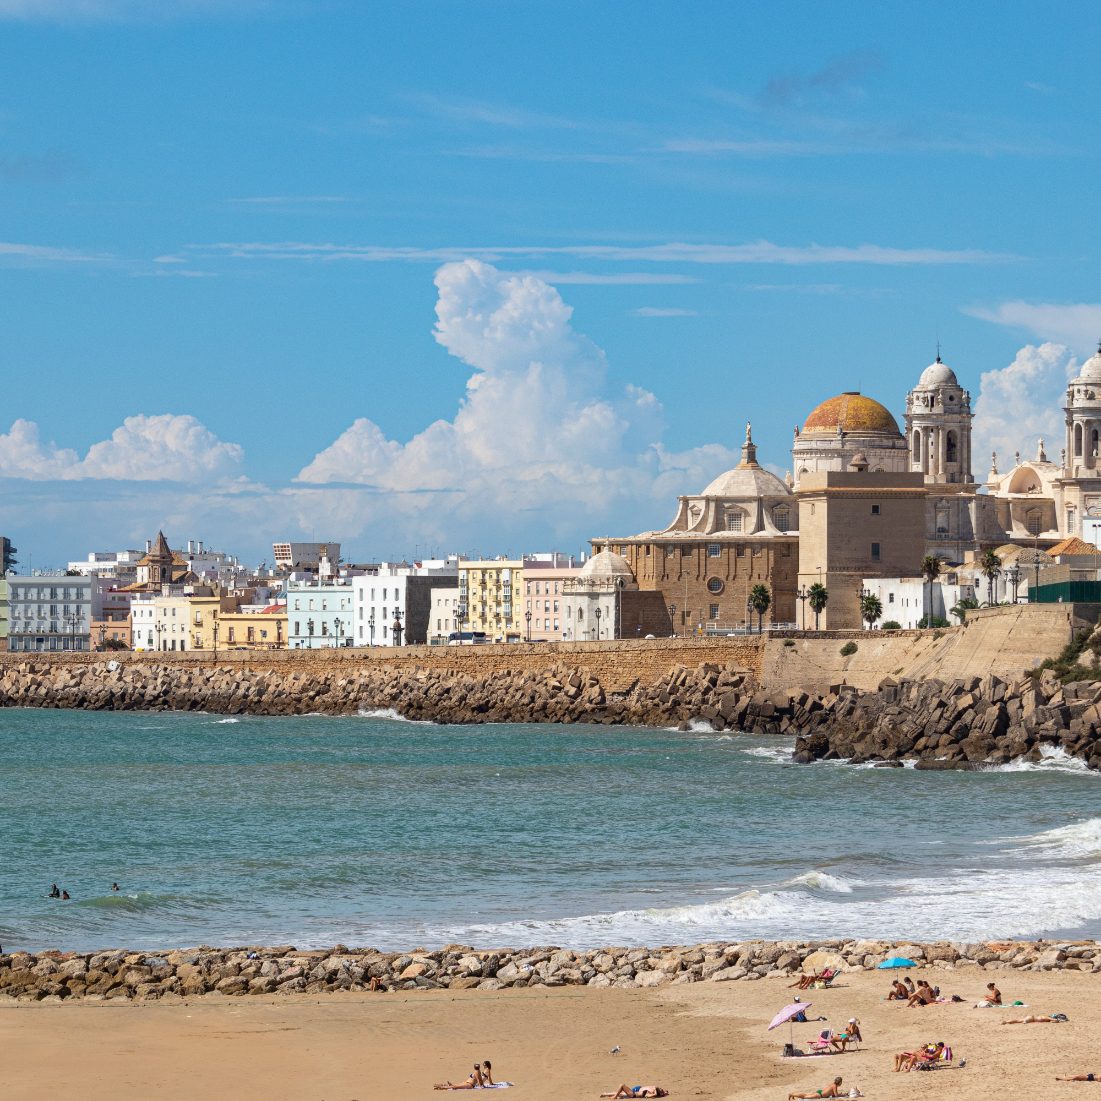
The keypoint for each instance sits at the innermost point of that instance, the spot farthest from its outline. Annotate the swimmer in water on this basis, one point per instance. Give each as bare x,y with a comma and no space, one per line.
64,896
115,887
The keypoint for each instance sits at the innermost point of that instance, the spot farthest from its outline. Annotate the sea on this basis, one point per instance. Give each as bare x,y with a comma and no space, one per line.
371,831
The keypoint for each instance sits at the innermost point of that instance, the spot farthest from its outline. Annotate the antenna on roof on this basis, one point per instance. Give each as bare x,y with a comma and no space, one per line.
938,347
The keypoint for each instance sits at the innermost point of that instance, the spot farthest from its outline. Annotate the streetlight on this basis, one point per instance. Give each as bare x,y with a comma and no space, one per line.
802,596
749,615
336,623
1013,576
102,638
598,622
159,628
371,624
396,627
309,627
673,620
527,616
214,614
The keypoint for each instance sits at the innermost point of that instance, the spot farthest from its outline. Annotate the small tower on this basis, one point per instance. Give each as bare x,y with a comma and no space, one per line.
938,426
1083,419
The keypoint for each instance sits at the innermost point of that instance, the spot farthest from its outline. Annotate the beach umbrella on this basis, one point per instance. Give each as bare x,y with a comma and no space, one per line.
789,1013
896,961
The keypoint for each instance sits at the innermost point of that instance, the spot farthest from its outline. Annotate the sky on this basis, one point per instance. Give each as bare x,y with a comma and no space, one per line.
492,277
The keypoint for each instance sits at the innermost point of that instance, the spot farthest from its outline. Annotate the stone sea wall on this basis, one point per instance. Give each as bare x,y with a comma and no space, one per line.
236,972
961,724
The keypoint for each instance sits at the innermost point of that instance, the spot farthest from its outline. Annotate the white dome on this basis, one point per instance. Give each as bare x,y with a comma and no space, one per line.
607,564
1091,369
747,482
938,374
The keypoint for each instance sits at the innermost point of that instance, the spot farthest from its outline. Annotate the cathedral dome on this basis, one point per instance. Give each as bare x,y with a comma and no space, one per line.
938,374
854,414
1091,369
747,482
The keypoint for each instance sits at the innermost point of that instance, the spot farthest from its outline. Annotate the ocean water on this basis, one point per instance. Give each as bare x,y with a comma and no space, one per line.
371,831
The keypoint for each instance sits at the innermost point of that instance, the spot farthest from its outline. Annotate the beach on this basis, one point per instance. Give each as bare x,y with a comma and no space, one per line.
701,1041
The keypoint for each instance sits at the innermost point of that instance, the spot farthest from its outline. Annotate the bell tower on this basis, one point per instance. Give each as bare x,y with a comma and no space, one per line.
938,427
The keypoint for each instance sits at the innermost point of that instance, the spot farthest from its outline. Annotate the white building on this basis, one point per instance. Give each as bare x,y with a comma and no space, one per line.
160,622
907,600
52,612
120,564
443,618
394,606
592,600
319,615
307,555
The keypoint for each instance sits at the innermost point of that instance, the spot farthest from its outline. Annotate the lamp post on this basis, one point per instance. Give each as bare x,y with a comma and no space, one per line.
310,627
396,627
338,640
1013,576
102,638
802,596
673,620
527,618
749,616
598,614
371,624
159,628
214,615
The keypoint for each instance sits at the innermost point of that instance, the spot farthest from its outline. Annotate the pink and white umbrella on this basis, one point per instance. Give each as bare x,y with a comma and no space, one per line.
789,1013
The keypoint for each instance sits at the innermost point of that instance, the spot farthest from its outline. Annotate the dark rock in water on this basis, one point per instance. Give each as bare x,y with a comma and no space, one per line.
926,764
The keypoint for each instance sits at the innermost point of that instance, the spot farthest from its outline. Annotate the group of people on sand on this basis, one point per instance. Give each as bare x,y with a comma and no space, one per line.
480,1078
814,979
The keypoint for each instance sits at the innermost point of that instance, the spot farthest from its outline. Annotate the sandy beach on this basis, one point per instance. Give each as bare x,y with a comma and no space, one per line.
702,1041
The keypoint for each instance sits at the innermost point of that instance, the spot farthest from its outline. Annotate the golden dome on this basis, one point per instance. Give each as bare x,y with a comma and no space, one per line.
854,414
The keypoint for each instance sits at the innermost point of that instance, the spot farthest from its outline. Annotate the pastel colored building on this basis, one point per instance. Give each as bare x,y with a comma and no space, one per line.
491,598
320,615
393,601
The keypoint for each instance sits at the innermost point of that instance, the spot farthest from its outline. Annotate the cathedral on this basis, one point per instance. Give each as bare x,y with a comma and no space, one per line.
865,498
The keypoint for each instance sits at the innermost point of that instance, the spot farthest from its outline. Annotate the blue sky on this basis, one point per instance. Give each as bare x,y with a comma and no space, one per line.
274,269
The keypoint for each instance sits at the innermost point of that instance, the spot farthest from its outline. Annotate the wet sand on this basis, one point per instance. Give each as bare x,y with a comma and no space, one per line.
701,1041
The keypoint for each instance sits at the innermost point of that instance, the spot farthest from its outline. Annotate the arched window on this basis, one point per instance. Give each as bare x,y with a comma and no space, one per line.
782,518
1093,442
1032,521
1078,441
950,447
917,446
580,614
735,519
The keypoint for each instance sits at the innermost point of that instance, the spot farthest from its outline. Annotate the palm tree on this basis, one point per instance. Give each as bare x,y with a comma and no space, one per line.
760,600
930,570
817,595
962,607
871,608
990,565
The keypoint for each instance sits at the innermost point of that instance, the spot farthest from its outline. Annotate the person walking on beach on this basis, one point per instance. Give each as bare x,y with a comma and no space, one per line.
832,1090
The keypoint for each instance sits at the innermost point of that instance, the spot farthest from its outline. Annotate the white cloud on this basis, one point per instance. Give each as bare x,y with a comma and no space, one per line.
1076,323
663,311
46,254
1020,404
167,447
538,430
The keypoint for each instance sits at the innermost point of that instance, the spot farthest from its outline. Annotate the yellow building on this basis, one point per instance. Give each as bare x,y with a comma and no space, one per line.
266,630
491,598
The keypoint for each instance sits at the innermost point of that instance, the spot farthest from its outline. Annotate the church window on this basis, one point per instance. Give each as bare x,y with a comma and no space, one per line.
714,585
756,550
714,550
875,552
785,550
875,510
686,550
713,611
1070,521
1032,522
1093,442
1078,440
782,517
917,447
950,447
670,551
734,520
739,550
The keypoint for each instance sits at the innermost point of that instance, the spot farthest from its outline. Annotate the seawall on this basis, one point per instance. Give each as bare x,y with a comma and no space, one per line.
236,972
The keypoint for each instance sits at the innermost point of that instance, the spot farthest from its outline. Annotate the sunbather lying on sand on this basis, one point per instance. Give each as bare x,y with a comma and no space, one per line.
907,1060
476,1081
1079,1078
805,982
638,1091
1054,1019
832,1090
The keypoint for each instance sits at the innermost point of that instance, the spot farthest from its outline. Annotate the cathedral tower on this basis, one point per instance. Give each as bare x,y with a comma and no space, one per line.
938,427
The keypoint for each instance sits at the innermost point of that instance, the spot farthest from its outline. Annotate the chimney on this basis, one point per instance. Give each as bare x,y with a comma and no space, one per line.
148,546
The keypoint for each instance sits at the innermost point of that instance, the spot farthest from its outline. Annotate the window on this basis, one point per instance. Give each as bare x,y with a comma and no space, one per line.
875,510
785,550
875,552
1032,522
713,611
950,448
739,550
714,550
782,519
890,598
686,550
715,585
734,520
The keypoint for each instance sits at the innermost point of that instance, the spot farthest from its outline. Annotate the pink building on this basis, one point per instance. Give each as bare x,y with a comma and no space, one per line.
543,576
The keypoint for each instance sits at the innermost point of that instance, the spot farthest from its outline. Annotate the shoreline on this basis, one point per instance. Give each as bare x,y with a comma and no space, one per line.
55,976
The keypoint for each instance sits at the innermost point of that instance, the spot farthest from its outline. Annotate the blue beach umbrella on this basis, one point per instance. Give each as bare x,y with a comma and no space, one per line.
896,961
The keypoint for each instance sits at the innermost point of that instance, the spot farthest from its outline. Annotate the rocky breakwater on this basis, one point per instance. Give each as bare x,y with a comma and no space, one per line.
238,972
962,724
562,693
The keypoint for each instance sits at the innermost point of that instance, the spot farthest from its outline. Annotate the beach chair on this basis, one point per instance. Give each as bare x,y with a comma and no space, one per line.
825,979
934,1062
821,1044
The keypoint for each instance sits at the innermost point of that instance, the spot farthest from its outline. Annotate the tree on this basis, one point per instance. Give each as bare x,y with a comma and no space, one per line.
930,570
891,625
760,600
991,566
871,608
962,607
817,595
